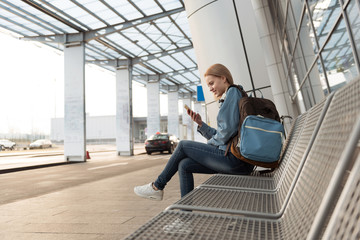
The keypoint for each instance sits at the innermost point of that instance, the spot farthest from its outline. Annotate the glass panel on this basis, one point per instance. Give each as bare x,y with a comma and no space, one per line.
277,14
137,38
285,68
307,94
321,74
79,14
291,30
181,79
171,62
148,7
151,32
164,43
125,9
324,14
299,63
282,7
190,76
353,11
181,57
102,11
142,69
175,35
170,4
290,85
300,70
160,65
305,48
338,58
307,36
317,83
294,81
286,50
125,43
296,6
191,54
182,21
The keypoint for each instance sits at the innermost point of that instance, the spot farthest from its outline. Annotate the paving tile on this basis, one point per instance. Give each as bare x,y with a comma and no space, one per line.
103,209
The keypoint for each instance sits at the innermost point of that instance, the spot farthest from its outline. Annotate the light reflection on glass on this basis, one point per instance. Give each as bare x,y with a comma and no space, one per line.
338,58
306,31
353,11
324,14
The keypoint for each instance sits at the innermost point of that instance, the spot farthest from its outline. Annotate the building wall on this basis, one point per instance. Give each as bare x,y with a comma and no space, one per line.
103,128
315,44
225,32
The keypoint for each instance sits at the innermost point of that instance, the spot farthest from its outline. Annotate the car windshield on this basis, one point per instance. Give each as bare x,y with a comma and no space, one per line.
159,137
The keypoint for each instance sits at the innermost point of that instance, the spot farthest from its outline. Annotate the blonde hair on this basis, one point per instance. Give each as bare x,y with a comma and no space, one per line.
219,70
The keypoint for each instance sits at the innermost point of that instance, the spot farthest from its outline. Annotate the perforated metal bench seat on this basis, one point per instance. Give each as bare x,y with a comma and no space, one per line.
344,223
297,145
207,226
255,201
257,181
314,196
302,130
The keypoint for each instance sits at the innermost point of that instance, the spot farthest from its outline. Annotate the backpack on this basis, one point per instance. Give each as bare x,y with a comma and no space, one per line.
260,133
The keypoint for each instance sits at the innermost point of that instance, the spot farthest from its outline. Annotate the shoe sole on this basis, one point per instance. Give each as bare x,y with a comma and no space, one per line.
148,197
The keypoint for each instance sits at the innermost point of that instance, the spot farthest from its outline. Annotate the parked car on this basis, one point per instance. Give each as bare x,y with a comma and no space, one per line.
41,143
6,144
160,142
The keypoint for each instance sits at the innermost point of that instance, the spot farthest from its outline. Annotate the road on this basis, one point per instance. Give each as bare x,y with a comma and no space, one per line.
31,183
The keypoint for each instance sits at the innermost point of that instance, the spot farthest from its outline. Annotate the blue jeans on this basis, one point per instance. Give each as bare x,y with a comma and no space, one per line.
194,157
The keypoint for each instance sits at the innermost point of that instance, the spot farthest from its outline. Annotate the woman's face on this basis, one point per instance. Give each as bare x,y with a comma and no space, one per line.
217,85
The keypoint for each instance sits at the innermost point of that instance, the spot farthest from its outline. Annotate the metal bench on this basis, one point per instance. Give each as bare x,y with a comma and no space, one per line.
299,142
256,181
260,202
314,195
344,223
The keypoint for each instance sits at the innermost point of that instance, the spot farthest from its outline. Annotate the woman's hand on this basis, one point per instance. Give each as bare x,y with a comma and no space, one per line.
195,117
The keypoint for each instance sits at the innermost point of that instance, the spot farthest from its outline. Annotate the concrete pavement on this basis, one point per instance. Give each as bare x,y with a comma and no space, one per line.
92,200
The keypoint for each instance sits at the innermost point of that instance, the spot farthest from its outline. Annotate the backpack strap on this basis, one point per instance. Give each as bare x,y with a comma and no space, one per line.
241,89
282,121
243,94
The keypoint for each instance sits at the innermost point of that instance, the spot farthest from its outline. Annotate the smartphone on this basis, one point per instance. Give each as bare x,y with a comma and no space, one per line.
187,107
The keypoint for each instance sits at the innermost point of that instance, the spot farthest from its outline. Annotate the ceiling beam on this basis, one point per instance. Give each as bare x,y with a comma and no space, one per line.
153,77
138,60
97,33
51,14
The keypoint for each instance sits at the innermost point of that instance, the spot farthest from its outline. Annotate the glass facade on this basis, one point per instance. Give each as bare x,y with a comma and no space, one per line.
320,46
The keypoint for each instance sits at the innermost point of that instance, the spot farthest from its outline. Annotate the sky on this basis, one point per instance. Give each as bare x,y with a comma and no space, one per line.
32,88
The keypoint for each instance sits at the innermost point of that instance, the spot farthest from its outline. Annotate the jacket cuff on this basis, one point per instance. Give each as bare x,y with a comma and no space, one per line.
203,129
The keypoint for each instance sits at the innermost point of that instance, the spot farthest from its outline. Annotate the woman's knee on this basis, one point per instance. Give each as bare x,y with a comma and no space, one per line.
183,143
184,165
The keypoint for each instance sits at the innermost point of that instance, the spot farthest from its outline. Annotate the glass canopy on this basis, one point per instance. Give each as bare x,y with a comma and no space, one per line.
151,34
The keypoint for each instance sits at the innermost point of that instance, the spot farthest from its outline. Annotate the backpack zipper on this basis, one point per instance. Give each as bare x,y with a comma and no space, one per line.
260,129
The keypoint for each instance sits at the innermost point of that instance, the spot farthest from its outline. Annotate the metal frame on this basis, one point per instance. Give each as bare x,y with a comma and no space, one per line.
317,56
335,183
344,223
163,34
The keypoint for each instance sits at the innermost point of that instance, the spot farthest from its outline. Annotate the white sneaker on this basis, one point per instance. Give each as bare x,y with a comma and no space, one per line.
179,226
147,191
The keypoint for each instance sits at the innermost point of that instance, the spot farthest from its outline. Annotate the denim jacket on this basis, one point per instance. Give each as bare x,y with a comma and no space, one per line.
227,121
